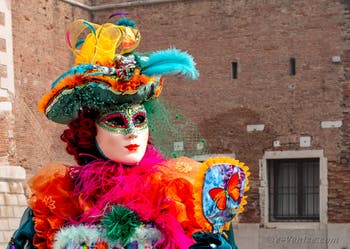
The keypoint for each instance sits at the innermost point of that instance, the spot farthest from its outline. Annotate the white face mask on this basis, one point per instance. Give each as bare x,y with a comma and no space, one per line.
122,134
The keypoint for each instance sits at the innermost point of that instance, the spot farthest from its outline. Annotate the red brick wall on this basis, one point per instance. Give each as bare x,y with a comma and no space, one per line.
339,174
40,56
260,35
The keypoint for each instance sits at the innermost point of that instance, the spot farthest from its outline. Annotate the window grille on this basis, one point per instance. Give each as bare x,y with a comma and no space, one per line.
294,189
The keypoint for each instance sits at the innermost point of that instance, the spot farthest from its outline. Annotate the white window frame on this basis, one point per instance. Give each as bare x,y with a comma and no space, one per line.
264,194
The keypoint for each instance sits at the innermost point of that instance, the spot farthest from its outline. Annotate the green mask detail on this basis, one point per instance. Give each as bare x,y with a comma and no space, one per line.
124,119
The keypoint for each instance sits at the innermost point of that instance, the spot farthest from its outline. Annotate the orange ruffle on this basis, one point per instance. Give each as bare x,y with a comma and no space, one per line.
181,172
52,202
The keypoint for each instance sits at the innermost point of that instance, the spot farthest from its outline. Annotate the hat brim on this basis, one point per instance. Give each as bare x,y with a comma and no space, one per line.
95,96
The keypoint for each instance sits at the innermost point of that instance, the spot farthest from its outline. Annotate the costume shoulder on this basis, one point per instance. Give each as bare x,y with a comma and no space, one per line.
209,194
46,176
182,167
52,202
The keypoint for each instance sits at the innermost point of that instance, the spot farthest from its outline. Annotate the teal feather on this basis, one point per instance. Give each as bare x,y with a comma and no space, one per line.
78,43
126,22
92,28
170,62
120,224
79,69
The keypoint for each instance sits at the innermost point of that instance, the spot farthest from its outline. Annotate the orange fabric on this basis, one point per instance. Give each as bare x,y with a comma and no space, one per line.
182,173
52,202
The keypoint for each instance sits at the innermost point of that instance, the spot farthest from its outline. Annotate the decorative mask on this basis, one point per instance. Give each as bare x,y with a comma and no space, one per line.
122,134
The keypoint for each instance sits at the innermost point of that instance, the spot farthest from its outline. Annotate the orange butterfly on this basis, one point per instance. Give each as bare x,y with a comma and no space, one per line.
220,195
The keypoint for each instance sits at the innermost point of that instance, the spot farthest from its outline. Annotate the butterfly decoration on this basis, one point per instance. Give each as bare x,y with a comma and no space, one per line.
221,195
224,183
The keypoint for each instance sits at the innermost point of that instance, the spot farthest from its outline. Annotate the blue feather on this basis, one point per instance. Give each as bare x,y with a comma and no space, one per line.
170,62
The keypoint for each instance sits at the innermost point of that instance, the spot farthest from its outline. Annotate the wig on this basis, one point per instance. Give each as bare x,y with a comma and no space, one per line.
80,137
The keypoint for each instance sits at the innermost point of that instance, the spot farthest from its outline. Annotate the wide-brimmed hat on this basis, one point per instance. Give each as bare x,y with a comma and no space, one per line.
108,71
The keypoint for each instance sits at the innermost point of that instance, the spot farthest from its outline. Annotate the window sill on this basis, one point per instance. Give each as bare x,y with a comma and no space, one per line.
293,225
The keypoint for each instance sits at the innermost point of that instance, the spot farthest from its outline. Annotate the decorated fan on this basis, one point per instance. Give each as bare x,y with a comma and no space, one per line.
222,185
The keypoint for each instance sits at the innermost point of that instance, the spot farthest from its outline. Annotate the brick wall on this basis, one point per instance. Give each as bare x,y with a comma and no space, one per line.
40,56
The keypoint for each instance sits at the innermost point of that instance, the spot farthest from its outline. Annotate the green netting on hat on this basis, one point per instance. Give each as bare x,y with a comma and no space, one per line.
172,133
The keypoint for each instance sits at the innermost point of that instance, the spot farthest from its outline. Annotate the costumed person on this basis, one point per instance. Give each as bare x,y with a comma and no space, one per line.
124,193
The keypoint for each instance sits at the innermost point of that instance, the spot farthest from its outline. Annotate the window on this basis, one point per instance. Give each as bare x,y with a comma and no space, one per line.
234,70
292,66
294,189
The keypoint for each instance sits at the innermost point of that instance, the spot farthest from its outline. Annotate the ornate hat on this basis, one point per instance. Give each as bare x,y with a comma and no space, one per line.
108,71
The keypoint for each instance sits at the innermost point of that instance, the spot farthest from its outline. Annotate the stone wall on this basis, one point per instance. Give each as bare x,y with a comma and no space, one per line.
12,198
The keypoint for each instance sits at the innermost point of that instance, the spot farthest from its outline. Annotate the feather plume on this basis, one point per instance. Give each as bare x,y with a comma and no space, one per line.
68,39
119,13
92,28
170,62
126,22
79,69
120,224
76,236
78,43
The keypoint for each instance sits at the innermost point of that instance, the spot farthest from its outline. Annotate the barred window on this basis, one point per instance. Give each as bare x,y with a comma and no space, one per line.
294,187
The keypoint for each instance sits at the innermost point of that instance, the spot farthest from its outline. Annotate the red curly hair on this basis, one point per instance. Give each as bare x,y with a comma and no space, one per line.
80,137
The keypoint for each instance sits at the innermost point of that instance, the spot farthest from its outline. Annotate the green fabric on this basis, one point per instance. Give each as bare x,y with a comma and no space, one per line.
23,236
173,133
95,96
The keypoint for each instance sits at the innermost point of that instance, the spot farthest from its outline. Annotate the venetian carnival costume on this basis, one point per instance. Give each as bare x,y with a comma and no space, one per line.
124,193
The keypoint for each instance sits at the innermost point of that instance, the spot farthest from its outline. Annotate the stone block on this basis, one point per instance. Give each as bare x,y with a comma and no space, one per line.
246,235
4,224
2,47
18,211
6,106
255,127
16,187
13,223
338,236
22,200
12,172
4,187
331,124
3,71
7,236
6,211
2,18
10,200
